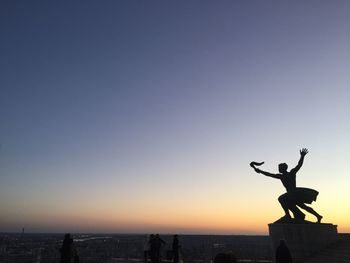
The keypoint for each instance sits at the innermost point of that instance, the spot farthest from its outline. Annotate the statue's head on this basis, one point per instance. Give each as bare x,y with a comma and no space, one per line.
282,167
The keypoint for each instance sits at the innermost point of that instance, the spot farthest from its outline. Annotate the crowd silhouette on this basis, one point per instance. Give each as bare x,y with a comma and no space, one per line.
152,251
153,246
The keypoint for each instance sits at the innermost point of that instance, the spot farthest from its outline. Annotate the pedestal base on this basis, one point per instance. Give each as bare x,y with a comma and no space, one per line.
303,239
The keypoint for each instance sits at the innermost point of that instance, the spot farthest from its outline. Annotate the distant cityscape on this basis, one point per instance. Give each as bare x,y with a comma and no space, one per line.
120,248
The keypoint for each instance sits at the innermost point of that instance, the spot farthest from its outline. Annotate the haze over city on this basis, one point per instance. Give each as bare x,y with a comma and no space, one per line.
140,117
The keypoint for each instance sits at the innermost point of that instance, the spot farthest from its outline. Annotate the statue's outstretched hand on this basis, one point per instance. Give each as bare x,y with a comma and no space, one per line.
253,164
304,151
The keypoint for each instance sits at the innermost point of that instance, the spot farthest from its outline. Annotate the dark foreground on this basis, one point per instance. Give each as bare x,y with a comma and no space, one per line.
100,248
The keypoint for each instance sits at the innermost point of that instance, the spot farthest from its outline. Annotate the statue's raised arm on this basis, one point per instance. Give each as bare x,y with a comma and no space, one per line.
303,152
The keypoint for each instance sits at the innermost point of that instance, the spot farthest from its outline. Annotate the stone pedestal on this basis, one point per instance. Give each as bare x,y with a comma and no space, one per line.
303,239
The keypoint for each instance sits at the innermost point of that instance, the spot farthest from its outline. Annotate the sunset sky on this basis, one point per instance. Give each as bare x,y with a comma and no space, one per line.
143,116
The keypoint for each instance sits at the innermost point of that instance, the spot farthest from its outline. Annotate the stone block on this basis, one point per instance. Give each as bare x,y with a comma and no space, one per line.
302,239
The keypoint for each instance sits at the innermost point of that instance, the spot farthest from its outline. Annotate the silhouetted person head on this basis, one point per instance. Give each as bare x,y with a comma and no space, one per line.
282,167
225,258
175,242
282,253
67,241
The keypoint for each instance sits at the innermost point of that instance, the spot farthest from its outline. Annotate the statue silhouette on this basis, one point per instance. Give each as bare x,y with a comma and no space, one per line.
295,196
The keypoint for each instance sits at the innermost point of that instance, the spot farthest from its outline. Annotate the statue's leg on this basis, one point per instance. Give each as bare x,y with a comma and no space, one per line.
284,203
311,211
297,213
288,203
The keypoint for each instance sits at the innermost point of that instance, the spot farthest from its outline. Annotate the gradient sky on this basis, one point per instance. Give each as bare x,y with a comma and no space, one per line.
143,116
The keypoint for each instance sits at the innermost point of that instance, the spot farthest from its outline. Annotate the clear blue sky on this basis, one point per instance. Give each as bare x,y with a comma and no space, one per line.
137,116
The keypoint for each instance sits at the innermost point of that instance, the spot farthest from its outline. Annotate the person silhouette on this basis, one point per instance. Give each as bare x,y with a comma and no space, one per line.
152,248
158,242
176,248
68,251
282,253
147,248
295,196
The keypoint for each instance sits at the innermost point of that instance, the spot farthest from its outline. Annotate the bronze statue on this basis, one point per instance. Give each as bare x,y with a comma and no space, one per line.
295,196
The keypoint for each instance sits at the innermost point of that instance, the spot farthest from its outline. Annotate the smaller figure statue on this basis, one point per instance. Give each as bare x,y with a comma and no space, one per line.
295,196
